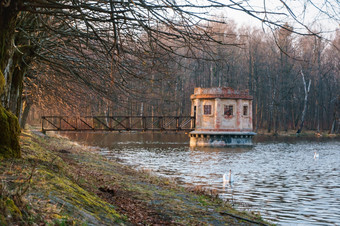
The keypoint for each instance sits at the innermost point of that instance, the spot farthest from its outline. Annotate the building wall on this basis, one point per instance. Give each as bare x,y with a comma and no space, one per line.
217,121
228,122
204,121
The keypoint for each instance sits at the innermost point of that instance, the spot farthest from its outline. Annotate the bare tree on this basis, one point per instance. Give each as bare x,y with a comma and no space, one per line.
306,88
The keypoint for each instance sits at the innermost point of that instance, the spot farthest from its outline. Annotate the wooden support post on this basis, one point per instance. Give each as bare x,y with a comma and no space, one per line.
144,123
108,122
177,124
128,124
60,123
42,125
160,123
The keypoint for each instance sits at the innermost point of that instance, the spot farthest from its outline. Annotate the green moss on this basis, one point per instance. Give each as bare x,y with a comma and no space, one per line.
12,208
9,135
75,201
8,210
52,182
202,200
2,83
2,219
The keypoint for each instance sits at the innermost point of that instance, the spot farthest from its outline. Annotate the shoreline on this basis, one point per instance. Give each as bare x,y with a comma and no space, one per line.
292,133
61,183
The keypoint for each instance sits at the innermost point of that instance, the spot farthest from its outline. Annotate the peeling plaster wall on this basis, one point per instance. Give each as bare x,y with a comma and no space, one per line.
228,122
206,121
217,121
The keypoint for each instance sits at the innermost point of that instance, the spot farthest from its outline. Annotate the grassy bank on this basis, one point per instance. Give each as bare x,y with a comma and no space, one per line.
292,133
59,182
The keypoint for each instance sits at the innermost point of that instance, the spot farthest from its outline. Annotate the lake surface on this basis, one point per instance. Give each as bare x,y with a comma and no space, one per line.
279,178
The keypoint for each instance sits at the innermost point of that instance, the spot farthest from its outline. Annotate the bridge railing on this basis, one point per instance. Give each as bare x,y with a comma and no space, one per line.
117,123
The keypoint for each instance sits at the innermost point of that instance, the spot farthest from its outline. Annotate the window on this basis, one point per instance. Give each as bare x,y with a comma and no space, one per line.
245,110
207,109
228,110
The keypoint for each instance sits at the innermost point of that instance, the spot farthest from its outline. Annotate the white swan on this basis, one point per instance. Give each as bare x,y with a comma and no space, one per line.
316,155
227,178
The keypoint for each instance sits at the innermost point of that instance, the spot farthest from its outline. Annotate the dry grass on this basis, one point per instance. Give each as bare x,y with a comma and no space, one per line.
60,182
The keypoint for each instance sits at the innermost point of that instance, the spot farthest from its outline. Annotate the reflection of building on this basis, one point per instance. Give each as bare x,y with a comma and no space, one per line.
223,116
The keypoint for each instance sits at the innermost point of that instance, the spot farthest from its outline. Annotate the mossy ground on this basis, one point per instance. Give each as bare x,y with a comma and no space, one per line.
68,183
9,135
40,191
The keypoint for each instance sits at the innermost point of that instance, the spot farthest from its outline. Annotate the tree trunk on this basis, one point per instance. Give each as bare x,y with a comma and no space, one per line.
211,75
271,106
270,121
24,115
305,101
107,114
8,19
21,60
276,121
335,118
285,116
9,126
256,118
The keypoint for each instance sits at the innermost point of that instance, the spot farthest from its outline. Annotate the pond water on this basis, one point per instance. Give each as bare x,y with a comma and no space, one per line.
279,178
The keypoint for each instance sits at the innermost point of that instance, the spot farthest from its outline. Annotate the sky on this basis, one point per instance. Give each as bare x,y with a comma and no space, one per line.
320,15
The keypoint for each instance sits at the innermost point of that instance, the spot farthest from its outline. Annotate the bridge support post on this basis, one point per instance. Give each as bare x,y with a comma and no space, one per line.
59,123
128,123
160,123
42,125
144,123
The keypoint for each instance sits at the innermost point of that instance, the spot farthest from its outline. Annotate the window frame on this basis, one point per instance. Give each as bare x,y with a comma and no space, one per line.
232,110
245,107
211,110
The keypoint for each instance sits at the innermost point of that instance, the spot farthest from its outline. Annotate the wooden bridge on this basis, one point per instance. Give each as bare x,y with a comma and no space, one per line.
117,123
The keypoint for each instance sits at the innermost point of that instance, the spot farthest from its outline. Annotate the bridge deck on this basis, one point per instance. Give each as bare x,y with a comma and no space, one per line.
117,123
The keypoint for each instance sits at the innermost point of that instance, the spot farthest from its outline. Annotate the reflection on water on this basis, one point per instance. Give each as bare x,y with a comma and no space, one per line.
280,178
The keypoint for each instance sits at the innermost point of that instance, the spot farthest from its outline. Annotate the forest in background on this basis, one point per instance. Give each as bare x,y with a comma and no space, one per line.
145,58
275,66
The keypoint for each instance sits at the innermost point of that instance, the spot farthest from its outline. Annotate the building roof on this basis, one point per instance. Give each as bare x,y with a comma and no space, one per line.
220,92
